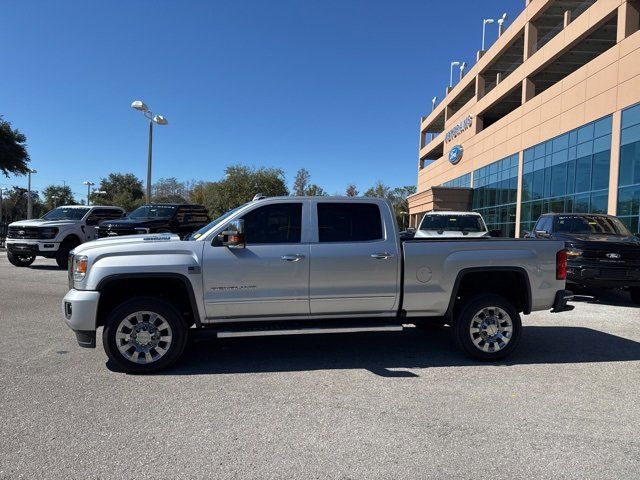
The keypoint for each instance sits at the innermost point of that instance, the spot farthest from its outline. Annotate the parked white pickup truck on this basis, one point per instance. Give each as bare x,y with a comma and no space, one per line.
452,224
56,233
295,265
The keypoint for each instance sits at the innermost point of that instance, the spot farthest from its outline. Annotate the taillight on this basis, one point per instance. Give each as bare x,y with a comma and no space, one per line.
561,265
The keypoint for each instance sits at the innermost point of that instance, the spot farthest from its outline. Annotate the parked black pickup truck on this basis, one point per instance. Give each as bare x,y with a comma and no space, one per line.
157,218
601,252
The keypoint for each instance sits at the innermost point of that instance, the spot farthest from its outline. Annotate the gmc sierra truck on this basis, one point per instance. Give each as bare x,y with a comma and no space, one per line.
56,233
302,265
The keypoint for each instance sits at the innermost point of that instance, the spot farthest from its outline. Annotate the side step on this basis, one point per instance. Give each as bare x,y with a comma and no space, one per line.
254,329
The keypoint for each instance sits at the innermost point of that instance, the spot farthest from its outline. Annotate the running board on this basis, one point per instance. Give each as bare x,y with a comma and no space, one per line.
264,332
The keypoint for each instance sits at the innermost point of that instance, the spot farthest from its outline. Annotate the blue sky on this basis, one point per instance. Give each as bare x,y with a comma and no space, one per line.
335,86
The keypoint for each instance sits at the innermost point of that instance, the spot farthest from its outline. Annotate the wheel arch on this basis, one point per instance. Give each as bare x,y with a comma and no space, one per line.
118,287
484,274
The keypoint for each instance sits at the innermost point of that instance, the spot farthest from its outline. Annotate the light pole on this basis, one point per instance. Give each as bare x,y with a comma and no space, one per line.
403,215
55,200
485,22
160,120
501,23
29,200
89,185
453,64
2,190
433,103
463,65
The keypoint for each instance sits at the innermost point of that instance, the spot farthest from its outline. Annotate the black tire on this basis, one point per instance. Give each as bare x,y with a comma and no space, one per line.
167,313
62,255
466,319
635,295
18,260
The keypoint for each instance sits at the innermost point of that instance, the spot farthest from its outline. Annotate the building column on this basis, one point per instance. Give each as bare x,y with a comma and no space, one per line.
519,192
528,90
530,40
479,87
628,19
614,168
567,18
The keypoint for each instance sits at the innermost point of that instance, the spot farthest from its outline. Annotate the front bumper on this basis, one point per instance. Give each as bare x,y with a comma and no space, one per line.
560,303
603,275
31,247
80,309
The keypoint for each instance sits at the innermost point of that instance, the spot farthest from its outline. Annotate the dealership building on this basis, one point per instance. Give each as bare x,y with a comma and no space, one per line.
547,120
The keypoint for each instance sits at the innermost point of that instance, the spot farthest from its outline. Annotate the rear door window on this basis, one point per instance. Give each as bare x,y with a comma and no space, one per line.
349,222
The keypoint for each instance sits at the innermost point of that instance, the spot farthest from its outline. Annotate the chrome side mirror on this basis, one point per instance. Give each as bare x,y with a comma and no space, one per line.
233,235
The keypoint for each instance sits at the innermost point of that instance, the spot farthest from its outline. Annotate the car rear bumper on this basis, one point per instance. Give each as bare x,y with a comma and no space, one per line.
80,308
560,303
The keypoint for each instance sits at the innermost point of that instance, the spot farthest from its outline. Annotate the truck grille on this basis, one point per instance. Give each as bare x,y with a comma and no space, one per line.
32,233
627,256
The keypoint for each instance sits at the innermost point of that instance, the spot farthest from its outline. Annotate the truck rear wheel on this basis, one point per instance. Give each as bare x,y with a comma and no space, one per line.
20,260
487,327
144,335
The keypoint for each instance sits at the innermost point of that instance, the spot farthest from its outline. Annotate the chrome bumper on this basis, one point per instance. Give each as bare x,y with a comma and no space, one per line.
80,309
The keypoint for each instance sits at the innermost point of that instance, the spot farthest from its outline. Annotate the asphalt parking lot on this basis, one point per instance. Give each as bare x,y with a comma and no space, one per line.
393,405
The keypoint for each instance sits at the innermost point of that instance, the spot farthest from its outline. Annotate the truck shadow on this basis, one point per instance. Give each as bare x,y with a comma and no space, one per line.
393,354
614,297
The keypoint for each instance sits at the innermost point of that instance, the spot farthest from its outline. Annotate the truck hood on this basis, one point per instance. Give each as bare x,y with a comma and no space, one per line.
129,241
448,234
38,222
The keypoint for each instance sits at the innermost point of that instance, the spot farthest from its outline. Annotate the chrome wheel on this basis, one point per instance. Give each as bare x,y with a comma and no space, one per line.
491,329
143,337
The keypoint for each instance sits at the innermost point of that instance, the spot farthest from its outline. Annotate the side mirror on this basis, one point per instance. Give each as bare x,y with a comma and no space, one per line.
495,233
525,234
233,235
542,234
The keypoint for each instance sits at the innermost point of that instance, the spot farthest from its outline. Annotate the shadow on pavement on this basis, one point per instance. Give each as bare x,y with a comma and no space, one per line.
383,353
613,297
45,267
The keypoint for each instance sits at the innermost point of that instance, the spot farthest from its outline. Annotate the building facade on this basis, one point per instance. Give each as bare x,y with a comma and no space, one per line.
547,120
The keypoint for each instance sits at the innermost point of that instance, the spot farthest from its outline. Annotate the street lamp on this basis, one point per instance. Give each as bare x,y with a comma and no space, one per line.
89,185
2,190
453,64
55,200
29,200
462,67
403,215
433,103
485,22
501,23
160,120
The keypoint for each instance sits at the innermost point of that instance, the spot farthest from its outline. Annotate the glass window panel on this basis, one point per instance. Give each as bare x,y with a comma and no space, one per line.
528,155
573,153
525,212
536,210
573,138
549,147
561,143
631,116
527,186
568,204
558,180
585,133
547,161
584,149
629,163
560,157
538,184
602,127
539,151
583,174
600,177
581,203
547,182
599,202
557,205
630,135
571,176
527,168
538,164
601,144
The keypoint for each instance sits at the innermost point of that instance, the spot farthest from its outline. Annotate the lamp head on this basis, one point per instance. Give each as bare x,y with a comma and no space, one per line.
487,21
139,105
455,64
160,120
463,65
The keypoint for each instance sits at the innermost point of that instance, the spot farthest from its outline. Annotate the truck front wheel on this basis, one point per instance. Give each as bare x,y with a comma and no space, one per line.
487,327
144,335
62,255
18,260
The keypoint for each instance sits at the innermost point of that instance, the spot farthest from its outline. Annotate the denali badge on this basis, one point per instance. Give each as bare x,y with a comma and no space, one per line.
613,255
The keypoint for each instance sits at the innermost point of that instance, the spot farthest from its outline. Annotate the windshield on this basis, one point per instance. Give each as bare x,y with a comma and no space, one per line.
453,223
591,225
65,213
153,211
198,233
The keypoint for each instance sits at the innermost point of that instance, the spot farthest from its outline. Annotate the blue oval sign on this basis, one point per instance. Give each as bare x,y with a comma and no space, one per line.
455,154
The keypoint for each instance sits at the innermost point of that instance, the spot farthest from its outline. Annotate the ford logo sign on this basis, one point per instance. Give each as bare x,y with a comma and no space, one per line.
455,154
613,255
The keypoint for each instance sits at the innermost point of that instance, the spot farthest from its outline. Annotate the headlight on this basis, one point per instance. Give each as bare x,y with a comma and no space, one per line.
48,232
79,267
573,253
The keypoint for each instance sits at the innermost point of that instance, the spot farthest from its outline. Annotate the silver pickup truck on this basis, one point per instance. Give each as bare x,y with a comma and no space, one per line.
297,265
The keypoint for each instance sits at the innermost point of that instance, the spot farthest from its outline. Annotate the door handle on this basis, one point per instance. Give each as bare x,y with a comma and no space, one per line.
292,258
381,256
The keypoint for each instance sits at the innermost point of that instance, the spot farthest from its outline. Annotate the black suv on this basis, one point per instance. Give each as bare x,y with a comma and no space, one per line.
157,218
601,252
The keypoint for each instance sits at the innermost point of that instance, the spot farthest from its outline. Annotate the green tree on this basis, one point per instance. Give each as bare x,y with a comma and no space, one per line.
57,195
14,204
397,196
240,185
379,190
352,191
13,150
301,181
122,190
315,190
